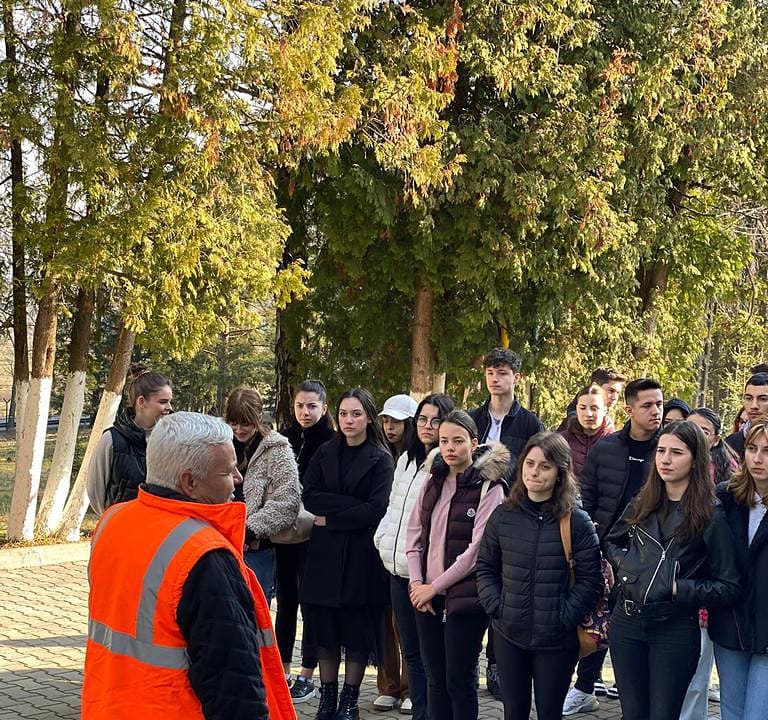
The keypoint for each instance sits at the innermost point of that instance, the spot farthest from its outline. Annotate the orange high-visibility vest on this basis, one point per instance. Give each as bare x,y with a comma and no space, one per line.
136,659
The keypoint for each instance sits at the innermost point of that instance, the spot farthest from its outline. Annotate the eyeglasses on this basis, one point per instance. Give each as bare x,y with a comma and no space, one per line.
423,421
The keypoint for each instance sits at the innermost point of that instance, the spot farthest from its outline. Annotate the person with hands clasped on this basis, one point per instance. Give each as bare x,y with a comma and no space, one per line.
345,586
465,484
672,553
523,580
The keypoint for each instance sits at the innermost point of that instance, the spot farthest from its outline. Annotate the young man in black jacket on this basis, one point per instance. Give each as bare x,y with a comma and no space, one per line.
615,471
756,406
502,418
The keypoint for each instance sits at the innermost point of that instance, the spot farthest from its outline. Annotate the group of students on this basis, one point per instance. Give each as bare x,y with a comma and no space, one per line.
419,529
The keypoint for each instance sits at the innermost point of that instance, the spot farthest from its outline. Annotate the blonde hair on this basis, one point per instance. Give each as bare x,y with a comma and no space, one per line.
742,484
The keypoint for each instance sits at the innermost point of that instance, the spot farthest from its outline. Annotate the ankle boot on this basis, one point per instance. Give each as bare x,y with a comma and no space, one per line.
348,709
326,709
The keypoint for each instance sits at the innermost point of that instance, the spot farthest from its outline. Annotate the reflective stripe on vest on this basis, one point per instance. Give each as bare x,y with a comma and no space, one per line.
140,646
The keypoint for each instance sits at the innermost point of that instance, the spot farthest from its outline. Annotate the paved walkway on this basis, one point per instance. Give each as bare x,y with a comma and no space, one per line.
42,642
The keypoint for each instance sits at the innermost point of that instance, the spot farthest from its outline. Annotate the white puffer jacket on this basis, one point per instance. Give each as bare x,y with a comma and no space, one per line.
390,535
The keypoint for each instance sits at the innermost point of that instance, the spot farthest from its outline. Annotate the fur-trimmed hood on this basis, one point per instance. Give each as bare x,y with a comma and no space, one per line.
490,461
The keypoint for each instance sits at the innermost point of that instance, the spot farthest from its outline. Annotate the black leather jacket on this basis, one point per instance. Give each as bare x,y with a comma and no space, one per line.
646,566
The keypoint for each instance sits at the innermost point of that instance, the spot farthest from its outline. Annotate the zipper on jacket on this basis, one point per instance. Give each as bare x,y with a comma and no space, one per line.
738,629
539,523
658,565
445,615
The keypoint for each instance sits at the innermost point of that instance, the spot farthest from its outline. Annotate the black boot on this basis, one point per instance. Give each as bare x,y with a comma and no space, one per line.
329,693
348,709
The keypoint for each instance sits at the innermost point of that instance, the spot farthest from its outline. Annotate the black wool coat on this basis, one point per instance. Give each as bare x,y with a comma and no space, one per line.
343,567
522,576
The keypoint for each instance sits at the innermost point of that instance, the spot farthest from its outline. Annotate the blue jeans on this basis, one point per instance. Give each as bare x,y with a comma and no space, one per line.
262,562
405,617
743,684
695,704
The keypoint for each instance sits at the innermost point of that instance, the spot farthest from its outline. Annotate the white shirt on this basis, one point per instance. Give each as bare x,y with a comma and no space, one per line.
494,431
756,515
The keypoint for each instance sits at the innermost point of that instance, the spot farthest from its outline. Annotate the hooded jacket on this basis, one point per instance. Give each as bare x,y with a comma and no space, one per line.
490,467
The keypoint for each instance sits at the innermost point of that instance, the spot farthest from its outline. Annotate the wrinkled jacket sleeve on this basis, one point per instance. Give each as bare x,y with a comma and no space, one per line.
589,583
216,616
616,544
588,484
366,514
488,567
280,509
722,587
99,470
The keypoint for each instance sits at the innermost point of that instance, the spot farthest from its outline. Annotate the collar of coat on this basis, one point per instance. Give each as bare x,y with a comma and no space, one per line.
490,461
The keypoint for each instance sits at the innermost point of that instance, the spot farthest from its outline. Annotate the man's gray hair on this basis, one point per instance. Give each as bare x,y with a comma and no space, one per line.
181,442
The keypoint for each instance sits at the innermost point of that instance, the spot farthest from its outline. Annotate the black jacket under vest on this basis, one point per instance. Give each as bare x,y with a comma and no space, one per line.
490,465
605,477
522,575
744,625
129,459
517,427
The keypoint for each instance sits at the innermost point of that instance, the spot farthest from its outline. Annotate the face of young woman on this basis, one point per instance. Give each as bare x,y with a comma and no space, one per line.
393,429
673,460
756,459
353,422
456,446
427,423
590,411
150,408
539,475
673,415
308,408
707,428
242,432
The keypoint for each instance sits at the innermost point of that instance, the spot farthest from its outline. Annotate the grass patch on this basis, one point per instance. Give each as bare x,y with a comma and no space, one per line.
7,470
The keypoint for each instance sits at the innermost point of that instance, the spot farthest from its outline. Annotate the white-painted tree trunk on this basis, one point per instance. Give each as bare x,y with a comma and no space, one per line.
57,487
30,448
22,393
77,504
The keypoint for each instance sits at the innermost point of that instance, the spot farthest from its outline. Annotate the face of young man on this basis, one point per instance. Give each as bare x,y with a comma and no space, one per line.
501,380
756,401
612,392
645,411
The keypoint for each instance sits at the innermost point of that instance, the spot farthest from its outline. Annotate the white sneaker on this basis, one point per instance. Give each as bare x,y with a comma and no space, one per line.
714,694
577,701
406,707
384,703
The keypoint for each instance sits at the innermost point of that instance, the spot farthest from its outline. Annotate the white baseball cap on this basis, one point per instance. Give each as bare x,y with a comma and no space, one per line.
399,407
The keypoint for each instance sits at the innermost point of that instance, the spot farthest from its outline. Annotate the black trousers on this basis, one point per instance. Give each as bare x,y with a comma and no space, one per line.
549,670
450,651
654,661
589,671
289,569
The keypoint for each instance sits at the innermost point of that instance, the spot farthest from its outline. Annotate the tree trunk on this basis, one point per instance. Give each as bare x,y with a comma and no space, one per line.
653,278
30,446
287,347
57,487
705,361
77,504
438,382
421,343
18,226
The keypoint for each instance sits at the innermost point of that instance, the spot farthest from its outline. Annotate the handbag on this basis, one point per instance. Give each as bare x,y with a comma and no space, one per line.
298,531
593,629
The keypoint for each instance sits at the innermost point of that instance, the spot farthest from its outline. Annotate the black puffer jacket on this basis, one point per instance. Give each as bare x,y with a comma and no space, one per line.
522,576
517,427
744,626
129,459
605,477
646,564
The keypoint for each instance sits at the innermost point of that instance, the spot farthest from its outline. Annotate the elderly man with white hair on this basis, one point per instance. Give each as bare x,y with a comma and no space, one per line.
178,626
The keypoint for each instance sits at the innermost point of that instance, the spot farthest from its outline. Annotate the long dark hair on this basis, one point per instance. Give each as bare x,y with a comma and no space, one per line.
698,500
742,484
722,457
417,452
409,435
373,430
558,452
